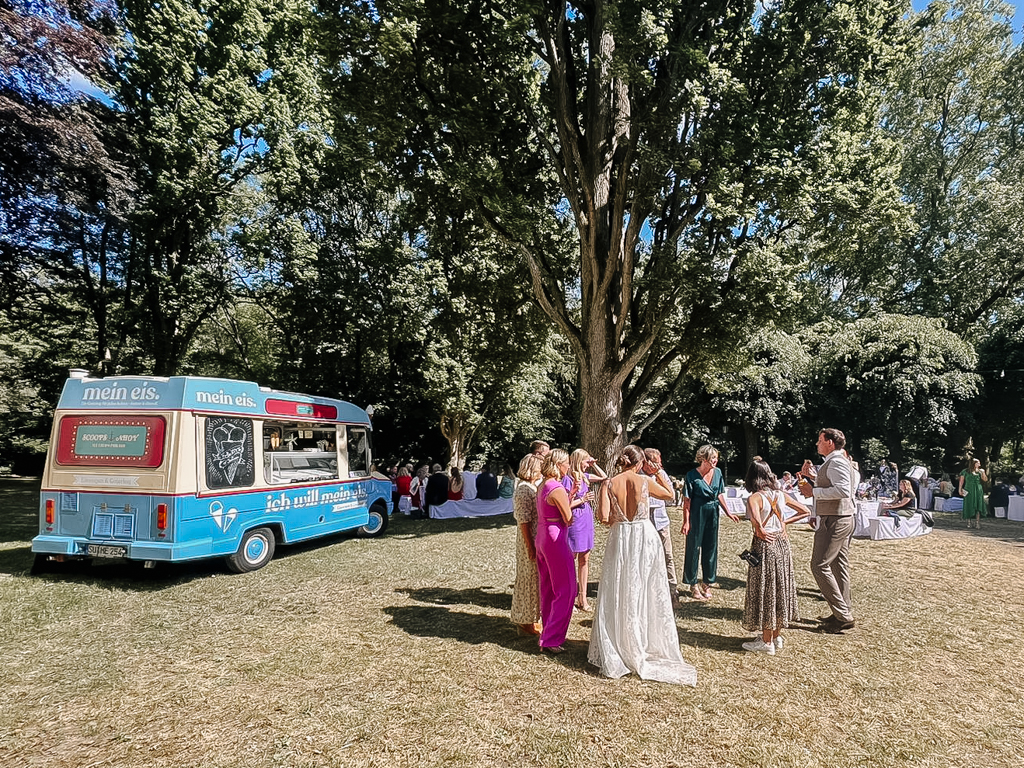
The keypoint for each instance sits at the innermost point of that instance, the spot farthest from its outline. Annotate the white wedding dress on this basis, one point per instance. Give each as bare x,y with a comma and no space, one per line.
634,624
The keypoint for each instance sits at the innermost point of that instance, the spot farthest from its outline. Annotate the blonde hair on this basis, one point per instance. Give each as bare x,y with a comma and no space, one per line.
529,468
706,453
576,460
550,466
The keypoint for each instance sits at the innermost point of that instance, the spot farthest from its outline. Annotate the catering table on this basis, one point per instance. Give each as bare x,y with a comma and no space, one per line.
1015,510
469,505
737,504
866,512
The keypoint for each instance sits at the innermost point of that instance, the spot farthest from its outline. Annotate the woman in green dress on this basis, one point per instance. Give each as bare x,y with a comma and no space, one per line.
972,492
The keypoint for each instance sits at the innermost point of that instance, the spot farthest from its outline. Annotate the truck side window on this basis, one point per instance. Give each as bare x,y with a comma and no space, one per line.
299,452
358,450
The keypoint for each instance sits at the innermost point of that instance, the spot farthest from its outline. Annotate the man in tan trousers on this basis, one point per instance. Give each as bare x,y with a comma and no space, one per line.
834,505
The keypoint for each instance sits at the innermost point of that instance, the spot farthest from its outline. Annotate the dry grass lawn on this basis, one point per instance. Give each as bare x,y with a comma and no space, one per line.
398,652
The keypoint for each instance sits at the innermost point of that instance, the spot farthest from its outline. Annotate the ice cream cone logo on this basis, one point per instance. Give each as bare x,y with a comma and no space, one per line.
229,444
220,517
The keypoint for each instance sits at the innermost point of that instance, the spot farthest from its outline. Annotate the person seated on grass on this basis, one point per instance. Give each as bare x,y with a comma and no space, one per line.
905,501
945,487
486,484
507,486
998,497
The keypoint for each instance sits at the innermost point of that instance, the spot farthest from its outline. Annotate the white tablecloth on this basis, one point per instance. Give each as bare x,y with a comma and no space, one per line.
471,508
953,504
884,528
1015,510
866,512
925,502
738,505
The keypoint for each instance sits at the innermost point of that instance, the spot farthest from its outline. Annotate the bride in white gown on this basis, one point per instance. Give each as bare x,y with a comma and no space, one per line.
634,625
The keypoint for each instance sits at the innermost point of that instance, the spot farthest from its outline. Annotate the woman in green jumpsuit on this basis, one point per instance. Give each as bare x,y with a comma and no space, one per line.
973,493
704,489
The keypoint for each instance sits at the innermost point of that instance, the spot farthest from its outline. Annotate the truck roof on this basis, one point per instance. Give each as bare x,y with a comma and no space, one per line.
200,393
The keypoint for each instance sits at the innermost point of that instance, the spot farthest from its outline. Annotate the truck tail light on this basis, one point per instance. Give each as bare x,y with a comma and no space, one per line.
161,517
49,511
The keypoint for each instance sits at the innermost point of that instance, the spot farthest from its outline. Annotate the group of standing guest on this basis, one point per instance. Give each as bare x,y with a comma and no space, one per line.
555,506
634,630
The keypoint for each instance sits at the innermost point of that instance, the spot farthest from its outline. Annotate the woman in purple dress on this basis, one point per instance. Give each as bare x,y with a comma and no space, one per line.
583,470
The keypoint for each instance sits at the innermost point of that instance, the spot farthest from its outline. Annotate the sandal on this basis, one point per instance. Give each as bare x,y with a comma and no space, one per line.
697,594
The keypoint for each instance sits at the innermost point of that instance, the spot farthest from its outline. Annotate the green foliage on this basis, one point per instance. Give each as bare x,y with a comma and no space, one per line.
956,110
379,200
24,412
896,378
770,388
196,84
595,123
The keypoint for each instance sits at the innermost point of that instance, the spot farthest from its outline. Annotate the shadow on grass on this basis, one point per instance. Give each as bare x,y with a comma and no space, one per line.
16,561
995,528
125,575
717,642
471,628
728,584
501,601
480,629
406,527
692,611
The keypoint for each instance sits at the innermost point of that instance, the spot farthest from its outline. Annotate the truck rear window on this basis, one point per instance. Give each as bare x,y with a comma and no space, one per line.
111,441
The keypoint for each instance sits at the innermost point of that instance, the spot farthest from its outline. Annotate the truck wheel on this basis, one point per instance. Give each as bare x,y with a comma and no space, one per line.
378,522
254,551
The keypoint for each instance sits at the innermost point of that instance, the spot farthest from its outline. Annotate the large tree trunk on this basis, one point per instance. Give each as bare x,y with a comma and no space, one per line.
459,431
602,422
753,446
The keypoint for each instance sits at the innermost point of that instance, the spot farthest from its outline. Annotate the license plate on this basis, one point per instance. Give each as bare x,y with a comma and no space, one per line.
105,550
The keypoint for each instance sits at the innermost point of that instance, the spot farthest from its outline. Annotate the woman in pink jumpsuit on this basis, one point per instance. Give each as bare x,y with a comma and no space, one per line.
556,568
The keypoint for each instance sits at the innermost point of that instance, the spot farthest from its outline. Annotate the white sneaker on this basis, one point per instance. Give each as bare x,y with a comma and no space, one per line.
760,646
779,643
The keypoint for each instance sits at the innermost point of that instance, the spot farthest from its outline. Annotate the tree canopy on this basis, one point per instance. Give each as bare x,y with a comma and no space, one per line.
590,222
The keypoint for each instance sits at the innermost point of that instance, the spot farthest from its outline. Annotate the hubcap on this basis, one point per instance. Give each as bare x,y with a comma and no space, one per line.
255,548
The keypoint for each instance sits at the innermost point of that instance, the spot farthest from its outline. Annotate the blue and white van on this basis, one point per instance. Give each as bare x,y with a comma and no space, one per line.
182,468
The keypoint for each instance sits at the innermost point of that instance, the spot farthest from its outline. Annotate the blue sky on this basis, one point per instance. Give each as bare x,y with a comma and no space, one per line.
1017,19
1018,15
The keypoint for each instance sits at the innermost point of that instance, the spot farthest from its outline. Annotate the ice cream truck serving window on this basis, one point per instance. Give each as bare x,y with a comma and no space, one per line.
182,468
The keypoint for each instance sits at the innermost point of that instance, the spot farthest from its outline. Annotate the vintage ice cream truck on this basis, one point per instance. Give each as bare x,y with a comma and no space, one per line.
182,468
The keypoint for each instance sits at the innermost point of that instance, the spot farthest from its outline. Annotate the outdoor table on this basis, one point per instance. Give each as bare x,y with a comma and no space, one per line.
927,497
866,512
1015,510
